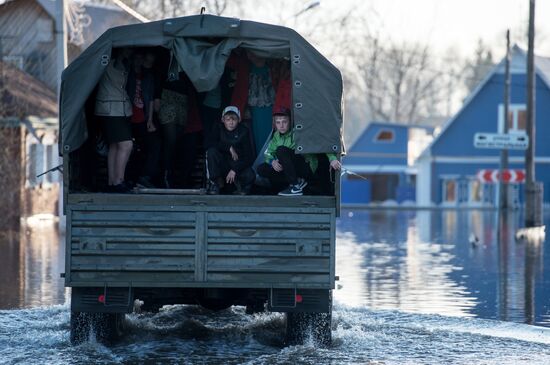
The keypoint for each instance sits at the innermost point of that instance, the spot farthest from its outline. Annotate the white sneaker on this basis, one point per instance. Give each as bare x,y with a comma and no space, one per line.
302,183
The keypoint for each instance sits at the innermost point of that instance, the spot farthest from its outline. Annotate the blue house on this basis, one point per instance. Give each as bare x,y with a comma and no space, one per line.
447,169
381,160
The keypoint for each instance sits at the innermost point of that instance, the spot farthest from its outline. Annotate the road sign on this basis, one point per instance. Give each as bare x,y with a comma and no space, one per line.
501,141
508,176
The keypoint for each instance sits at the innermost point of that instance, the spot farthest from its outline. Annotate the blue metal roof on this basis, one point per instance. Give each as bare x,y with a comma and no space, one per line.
479,112
383,153
371,148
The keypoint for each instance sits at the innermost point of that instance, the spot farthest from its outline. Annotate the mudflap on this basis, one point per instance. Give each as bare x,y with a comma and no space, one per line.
102,300
304,327
99,313
106,328
308,314
300,300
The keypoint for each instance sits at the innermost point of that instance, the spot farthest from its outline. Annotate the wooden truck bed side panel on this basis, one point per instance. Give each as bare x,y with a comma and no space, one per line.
224,241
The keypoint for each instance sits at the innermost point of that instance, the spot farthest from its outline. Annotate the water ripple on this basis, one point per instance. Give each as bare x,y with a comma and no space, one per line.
186,334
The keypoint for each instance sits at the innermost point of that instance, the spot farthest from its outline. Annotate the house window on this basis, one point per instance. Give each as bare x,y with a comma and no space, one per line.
41,158
31,164
517,118
513,195
51,161
489,193
450,191
17,61
475,191
463,191
44,28
384,135
35,165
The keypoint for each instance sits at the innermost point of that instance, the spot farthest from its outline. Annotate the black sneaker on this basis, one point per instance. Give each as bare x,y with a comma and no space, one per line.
120,188
145,182
213,188
129,185
242,190
292,190
238,189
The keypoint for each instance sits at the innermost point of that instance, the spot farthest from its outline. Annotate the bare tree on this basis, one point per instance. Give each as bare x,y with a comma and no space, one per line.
477,68
174,8
400,81
452,81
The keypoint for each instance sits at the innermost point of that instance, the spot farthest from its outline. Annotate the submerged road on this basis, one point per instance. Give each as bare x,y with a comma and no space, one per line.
416,287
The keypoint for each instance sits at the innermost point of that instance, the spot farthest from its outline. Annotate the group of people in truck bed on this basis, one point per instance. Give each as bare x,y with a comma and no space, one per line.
160,120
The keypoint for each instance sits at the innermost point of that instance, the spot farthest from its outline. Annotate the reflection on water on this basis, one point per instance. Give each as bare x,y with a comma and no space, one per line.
399,269
449,262
30,265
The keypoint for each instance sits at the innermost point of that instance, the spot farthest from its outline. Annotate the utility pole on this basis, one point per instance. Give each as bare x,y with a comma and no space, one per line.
1,63
60,41
533,190
503,188
61,63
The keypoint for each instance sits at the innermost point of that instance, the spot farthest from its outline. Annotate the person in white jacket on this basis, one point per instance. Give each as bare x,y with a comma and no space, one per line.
114,109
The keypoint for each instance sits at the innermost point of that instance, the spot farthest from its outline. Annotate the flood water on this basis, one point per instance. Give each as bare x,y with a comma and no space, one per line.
416,287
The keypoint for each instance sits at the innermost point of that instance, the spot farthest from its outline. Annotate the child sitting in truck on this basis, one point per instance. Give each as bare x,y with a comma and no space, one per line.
282,165
229,161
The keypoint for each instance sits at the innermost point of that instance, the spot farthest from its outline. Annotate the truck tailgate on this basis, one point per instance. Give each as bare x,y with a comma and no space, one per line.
200,241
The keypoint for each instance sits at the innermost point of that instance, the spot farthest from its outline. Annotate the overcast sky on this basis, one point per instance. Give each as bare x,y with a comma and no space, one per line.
460,23
443,24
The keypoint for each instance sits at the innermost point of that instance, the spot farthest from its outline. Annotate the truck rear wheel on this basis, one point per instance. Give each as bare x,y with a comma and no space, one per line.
105,327
302,326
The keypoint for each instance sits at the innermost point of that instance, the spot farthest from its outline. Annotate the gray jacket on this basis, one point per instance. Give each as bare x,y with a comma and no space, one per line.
112,99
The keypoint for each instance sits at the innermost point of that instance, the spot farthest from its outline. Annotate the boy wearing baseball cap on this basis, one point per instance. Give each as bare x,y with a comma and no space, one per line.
229,161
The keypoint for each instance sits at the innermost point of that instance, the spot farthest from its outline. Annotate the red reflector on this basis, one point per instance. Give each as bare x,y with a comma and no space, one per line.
101,298
299,298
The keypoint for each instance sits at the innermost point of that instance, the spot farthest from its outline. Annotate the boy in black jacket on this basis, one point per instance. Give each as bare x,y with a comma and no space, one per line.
230,160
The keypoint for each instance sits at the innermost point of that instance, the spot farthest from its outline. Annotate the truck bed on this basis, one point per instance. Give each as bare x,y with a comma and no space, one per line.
178,241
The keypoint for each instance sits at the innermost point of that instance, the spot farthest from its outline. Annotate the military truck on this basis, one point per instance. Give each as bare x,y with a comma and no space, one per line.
159,247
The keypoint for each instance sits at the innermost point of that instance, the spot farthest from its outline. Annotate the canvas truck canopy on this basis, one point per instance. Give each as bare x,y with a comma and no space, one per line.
316,83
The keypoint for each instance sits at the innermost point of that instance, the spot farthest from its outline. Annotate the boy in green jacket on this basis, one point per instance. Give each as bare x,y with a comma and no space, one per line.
284,167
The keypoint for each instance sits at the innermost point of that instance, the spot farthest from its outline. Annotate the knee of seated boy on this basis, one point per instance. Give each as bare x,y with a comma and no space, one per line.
283,149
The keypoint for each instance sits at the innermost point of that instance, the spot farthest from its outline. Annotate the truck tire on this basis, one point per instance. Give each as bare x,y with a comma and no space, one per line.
105,327
302,326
